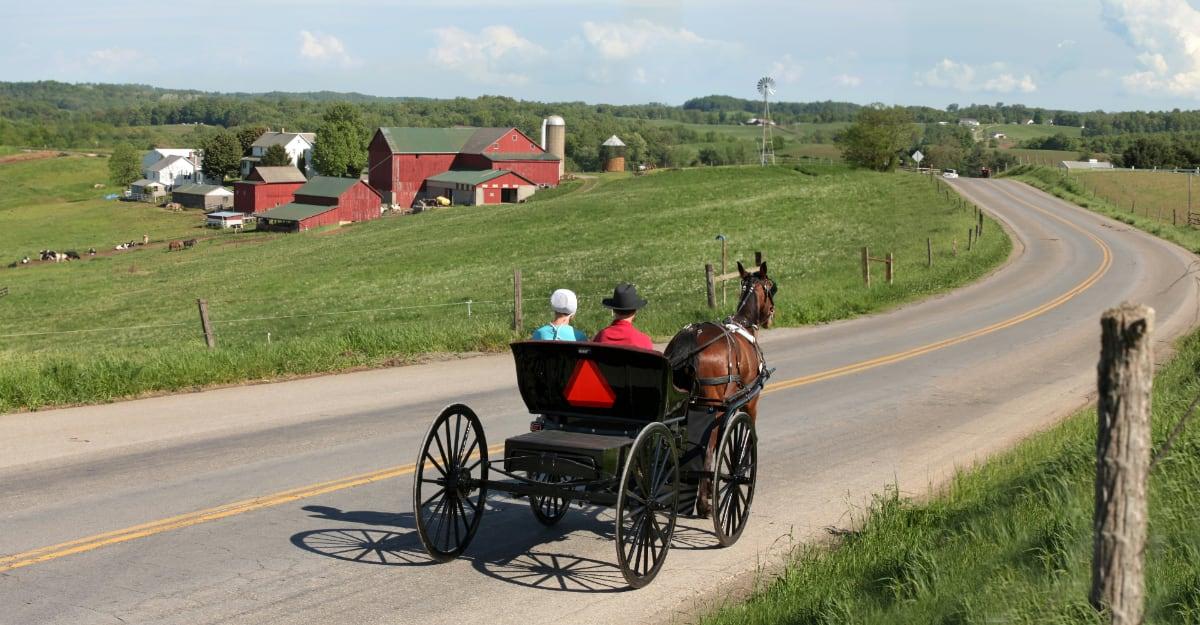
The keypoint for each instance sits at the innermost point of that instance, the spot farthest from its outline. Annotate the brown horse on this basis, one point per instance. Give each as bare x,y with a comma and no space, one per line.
721,363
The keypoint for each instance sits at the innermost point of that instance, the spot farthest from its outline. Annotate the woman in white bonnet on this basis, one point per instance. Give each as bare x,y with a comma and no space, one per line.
564,303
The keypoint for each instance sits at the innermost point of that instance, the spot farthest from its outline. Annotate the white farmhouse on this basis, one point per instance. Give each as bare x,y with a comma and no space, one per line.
298,145
158,154
174,170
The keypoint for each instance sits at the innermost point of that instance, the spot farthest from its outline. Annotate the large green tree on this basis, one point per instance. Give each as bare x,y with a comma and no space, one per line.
878,137
124,166
275,156
222,155
247,135
341,147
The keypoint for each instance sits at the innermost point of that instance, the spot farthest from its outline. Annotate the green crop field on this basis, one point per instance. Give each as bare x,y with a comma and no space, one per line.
1045,158
50,204
1021,132
392,290
1156,195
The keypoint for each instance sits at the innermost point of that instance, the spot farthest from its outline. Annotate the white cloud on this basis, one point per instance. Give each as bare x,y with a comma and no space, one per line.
113,58
1166,34
995,77
786,70
496,54
324,49
639,75
618,41
1065,43
847,80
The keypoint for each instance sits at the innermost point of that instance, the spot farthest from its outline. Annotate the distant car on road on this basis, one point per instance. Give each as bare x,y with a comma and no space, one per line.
949,173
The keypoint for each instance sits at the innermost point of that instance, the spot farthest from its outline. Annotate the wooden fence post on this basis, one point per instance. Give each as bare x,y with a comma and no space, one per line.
518,313
970,237
891,273
209,337
866,263
928,252
1125,375
758,259
979,230
710,286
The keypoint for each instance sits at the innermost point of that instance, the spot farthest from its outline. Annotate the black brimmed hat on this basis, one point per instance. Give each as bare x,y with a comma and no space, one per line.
624,297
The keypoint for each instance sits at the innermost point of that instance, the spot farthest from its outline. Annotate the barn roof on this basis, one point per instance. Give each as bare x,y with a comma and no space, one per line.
295,211
270,138
521,156
202,189
404,140
166,162
327,186
1086,165
285,173
472,177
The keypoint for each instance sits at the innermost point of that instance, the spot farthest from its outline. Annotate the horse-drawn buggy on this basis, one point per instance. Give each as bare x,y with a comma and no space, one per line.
615,426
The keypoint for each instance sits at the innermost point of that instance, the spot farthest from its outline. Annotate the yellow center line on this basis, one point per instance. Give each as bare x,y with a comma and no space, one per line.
81,545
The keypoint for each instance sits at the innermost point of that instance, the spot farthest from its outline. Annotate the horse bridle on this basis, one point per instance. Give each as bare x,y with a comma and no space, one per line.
748,285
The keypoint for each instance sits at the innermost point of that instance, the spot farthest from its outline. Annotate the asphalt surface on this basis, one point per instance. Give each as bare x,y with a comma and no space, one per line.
201,508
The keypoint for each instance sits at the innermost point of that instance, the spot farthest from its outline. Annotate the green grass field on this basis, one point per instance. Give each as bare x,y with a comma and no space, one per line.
391,290
1156,195
1009,542
1021,132
1045,158
50,204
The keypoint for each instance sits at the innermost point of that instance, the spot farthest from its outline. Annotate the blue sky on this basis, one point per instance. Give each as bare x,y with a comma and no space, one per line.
1076,54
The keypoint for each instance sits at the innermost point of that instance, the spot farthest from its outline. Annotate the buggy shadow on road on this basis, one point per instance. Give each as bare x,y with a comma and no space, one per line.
513,551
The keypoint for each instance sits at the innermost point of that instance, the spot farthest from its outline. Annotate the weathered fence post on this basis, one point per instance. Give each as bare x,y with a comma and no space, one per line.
1125,375
209,337
970,237
890,271
866,263
928,252
758,259
710,286
979,228
518,313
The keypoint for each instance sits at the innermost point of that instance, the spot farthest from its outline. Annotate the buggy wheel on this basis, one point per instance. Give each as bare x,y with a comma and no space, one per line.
735,470
450,483
647,500
548,510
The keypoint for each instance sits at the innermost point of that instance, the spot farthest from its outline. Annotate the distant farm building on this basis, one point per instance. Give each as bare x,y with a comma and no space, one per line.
298,145
158,154
225,219
401,160
204,196
485,186
266,188
147,190
1083,165
968,121
999,135
755,121
613,151
324,201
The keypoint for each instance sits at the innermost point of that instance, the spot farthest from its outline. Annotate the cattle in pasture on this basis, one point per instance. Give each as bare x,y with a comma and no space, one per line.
25,260
72,254
91,251
145,239
189,243
174,245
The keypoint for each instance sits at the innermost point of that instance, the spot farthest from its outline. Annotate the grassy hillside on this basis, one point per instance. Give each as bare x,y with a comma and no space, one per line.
1009,542
390,290
1156,195
1021,132
50,204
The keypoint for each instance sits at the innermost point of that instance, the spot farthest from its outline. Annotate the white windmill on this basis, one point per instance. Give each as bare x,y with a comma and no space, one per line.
766,88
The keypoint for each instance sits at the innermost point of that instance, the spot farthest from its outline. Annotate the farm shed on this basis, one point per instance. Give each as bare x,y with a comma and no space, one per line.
205,196
401,160
1088,164
225,219
324,201
147,191
473,187
267,187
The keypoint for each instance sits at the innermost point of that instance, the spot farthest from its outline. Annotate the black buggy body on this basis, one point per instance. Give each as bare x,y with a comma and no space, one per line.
612,430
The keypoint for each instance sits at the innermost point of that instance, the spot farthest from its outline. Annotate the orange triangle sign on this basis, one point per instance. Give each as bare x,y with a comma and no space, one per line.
588,388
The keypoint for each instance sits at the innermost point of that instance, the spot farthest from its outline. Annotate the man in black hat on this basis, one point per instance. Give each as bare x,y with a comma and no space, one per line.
624,304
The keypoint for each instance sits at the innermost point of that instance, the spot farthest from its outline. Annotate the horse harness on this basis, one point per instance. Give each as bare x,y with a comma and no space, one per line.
729,328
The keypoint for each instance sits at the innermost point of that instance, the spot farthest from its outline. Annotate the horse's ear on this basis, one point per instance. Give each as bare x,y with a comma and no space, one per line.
762,270
741,270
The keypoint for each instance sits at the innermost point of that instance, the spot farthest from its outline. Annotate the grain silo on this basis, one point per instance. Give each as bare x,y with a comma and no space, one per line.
554,139
613,151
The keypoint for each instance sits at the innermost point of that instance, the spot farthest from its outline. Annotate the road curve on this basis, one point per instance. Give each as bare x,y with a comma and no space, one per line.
290,502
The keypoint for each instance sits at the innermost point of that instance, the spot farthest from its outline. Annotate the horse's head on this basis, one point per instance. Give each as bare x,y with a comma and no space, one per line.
757,305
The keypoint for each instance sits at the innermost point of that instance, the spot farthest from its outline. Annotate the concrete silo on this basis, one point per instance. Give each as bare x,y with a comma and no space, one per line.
554,139
613,152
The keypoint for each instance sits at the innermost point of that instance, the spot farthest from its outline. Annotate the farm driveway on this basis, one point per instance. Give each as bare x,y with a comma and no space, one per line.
898,398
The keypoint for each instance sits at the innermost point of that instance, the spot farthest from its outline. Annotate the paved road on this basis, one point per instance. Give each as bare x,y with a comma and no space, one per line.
289,503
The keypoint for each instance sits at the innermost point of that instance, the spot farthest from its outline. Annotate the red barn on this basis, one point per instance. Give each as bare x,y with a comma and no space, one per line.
266,188
480,186
401,160
324,201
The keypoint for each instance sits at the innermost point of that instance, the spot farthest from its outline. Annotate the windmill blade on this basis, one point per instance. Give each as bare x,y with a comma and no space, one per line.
766,85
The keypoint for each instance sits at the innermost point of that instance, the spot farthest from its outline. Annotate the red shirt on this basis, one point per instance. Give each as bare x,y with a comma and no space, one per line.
622,332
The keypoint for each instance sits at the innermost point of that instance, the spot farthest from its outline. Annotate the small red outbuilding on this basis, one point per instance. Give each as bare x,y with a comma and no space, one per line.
324,201
265,188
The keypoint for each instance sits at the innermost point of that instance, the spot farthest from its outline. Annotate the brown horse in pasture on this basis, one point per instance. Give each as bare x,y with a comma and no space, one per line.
722,363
